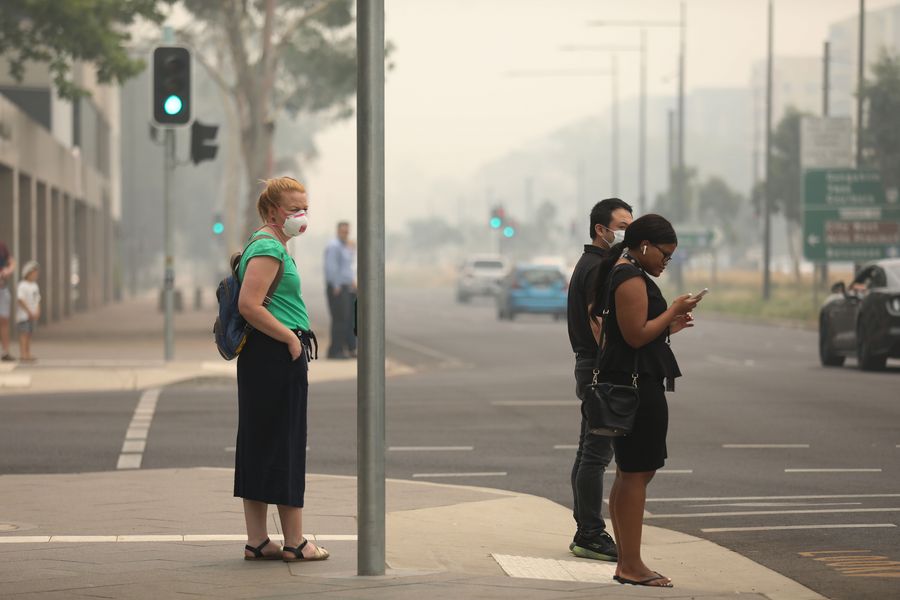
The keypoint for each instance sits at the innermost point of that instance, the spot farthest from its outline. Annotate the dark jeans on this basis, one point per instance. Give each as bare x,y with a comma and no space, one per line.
340,306
593,456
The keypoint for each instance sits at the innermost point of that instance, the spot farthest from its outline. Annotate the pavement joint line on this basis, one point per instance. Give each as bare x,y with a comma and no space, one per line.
430,448
475,474
535,403
807,497
832,470
792,527
156,538
659,472
750,513
743,446
135,442
445,359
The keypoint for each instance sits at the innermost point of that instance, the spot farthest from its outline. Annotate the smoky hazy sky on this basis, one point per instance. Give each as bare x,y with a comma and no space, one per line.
451,107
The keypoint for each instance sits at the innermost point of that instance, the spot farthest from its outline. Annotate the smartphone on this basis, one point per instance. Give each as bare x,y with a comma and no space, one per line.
700,294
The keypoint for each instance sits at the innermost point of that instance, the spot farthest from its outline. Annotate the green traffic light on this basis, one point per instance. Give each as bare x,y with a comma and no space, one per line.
496,222
173,105
218,228
509,231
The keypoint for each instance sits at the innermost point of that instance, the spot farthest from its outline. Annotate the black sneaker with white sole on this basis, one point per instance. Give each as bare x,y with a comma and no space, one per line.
601,547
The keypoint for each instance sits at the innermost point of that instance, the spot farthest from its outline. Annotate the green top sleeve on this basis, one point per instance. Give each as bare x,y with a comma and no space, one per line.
287,303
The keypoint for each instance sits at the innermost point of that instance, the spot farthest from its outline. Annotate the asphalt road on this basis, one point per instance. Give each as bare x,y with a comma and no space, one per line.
771,455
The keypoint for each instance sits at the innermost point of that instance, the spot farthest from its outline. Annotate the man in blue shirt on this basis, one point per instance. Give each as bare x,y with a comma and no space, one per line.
340,287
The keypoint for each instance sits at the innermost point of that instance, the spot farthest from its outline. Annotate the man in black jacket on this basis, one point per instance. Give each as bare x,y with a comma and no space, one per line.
609,218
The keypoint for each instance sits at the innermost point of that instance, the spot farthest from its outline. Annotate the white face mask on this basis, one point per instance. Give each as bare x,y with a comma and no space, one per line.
618,236
295,224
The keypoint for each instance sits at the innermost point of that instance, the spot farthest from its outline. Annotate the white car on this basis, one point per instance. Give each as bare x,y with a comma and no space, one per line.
480,275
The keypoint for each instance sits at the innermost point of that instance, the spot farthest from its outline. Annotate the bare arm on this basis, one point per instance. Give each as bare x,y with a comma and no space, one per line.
10,267
631,313
23,306
258,276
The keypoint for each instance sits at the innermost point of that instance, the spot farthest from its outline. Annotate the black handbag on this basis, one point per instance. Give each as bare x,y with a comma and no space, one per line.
610,408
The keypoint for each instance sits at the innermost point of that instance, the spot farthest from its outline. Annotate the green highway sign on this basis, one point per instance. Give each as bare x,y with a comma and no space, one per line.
847,216
694,239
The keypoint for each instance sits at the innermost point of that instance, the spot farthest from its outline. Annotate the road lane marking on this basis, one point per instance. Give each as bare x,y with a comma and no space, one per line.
536,403
659,472
445,359
832,470
790,527
566,447
476,474
776,504
856,563
731,362
234,448
135,443
765,446
739,498
156,538
751,513
430,448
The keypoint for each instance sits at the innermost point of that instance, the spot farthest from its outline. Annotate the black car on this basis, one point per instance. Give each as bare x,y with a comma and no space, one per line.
863,320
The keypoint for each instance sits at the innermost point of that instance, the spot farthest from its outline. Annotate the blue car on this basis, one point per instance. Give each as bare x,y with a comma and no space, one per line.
539,289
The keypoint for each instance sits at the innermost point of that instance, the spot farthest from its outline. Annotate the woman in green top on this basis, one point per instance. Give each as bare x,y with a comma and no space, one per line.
270,456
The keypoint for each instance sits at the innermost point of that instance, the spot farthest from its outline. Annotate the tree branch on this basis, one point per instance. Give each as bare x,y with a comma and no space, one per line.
296,23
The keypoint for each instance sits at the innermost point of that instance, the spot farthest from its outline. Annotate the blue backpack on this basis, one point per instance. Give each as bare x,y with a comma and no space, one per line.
231,328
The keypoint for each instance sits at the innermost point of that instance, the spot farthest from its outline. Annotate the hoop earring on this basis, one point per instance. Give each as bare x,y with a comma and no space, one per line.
644,250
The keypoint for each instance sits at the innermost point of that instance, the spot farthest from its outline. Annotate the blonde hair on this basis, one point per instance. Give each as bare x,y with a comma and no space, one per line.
271,196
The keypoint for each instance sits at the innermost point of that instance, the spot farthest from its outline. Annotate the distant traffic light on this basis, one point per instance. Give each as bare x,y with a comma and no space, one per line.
171,85
509,231
218,227
202,142
497,216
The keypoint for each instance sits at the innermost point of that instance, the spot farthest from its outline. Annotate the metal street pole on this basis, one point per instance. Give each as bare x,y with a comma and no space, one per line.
614,69
767,206
826,90
370,215
642,135
682,195
860,83
169,223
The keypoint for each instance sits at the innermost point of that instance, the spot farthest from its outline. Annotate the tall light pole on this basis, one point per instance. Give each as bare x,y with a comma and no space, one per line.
860,83
643,25
767,205
613,72
642,117
370,214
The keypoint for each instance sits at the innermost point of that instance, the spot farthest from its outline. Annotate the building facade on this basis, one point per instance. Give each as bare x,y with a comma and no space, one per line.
59,186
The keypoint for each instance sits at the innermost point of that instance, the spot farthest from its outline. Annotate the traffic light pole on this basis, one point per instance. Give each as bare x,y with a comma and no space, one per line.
169,224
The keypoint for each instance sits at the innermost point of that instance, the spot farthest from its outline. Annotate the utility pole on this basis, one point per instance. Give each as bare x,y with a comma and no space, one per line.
370,214
169,220
642,134
826,90
860,84
614,176
682,191
767,205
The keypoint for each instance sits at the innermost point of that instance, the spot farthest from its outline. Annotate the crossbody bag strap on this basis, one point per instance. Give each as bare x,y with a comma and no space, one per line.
600,344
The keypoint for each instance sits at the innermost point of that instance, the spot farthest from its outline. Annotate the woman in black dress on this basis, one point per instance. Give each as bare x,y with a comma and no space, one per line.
270,455
639,321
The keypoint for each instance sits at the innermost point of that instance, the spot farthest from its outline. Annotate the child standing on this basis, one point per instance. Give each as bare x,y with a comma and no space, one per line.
29,296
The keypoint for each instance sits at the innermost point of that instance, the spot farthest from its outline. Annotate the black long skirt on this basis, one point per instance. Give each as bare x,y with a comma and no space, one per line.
270,455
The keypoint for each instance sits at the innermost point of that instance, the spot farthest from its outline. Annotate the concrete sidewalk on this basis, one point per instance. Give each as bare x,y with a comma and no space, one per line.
120,347
166,533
